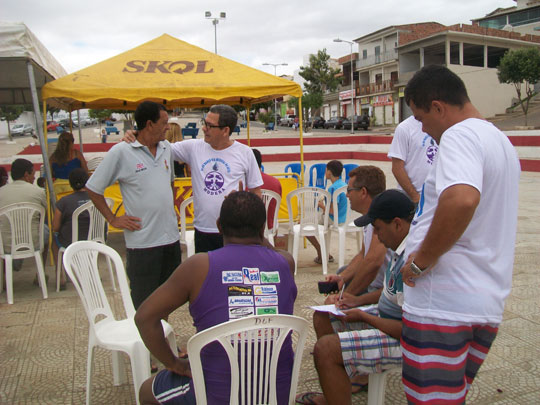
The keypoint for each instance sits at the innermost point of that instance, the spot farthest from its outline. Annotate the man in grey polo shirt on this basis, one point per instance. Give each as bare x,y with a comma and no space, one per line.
144,170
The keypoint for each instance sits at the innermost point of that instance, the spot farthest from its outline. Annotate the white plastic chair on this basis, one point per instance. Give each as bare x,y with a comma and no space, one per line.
96,232
346,227
307,223
376,388
268,196
19,218
187,236
81,263
93,163
255,377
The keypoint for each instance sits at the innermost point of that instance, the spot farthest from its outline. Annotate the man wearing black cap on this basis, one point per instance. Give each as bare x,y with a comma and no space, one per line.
366,339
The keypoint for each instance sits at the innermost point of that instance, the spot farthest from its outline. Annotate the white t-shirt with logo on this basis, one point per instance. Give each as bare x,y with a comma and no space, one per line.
470,282
214,174
416,148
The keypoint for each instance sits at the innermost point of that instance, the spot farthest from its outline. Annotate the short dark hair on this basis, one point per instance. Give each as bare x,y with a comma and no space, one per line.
227,116
258,157
370,177
20,167
435,82
335,167
147,110
242,215
78,178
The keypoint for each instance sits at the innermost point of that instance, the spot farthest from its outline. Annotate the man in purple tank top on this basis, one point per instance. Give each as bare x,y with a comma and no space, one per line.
246,277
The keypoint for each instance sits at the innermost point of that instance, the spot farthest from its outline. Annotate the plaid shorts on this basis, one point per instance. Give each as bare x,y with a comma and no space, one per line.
366,350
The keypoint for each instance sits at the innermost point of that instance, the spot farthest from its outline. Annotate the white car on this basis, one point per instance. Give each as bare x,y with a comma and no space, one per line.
22,129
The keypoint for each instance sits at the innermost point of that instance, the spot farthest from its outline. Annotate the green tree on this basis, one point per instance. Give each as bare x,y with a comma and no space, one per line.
99,115
310,101
521,67
319,75
10,113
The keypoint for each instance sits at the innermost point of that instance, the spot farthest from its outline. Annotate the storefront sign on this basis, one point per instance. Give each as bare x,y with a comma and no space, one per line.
346,94
382,100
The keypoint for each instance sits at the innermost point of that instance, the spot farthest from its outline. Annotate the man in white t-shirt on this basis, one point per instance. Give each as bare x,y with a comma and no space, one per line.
461,242
412,152
218,165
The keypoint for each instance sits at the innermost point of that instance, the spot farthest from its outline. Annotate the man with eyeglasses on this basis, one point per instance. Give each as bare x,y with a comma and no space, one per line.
218,166
365,272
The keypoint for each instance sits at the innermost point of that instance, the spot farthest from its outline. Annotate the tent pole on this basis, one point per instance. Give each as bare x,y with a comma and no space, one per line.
301,141
80,132
42,140
247,126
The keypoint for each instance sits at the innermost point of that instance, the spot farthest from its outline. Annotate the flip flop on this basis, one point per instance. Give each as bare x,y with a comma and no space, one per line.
307,398
318,260
358,387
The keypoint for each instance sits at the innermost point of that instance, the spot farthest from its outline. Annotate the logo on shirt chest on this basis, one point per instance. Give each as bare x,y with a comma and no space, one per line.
214,180
140,167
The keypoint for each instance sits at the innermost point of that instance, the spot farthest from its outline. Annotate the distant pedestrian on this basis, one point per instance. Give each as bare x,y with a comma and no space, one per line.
103,136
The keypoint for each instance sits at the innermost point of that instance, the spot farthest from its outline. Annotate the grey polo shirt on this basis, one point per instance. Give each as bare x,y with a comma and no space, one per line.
145,184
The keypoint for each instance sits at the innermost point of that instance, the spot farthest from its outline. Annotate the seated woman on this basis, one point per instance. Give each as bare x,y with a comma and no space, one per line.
64,159
63,213
174,134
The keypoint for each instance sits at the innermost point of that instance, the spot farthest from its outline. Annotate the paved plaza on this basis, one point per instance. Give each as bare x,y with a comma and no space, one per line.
43,343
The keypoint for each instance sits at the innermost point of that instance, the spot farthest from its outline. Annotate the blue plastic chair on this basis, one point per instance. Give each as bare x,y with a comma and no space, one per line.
294,168
347,169
191,125
270,126
317,175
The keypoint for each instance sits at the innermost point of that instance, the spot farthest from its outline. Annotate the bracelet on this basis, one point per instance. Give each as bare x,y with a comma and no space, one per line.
416,270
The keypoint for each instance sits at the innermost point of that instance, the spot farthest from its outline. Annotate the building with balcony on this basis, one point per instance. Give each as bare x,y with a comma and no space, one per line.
472,52
524,17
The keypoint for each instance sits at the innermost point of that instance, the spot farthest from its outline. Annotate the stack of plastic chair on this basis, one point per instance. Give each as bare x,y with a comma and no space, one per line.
97,231
346,227
119,336
317,175
294,168
19,217
253,345
307,222
347,169
187,236
268,196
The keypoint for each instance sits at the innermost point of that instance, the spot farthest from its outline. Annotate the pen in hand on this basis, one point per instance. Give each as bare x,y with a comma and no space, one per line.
341,294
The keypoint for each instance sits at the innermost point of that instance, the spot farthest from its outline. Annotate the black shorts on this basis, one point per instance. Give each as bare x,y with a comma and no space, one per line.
148,268
172,389
205,242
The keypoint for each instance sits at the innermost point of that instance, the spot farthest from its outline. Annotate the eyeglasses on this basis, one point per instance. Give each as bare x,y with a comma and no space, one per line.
210,126
349,189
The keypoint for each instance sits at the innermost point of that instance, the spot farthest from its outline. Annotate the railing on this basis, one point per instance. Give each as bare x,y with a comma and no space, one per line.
372,88
376,59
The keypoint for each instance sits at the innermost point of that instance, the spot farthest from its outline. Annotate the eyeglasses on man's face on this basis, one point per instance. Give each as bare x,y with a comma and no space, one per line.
349,189
210,126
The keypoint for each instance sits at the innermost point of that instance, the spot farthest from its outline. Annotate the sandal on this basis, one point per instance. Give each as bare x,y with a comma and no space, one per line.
358,387
318,260
307,398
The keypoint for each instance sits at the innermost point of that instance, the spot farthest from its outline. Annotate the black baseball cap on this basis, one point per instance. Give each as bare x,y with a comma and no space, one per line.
389,204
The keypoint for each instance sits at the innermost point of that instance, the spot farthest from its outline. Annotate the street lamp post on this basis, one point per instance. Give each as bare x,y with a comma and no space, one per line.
351,43
215,21
275,65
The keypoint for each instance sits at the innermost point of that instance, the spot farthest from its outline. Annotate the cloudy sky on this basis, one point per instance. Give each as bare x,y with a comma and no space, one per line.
80,34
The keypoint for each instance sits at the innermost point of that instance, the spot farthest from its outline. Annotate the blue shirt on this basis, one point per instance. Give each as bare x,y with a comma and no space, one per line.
341,201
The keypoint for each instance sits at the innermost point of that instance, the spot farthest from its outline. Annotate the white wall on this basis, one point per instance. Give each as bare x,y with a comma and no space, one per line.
488,95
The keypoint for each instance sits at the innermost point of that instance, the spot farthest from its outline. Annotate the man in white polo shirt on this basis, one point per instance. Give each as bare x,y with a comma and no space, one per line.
144,170
461,242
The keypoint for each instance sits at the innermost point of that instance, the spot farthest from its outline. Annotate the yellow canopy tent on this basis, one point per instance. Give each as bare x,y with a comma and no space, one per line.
172,72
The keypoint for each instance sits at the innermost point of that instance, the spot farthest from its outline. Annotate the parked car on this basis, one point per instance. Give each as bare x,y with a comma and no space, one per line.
22,129
360,121
112,130
288,121
334,122
316,122
89,121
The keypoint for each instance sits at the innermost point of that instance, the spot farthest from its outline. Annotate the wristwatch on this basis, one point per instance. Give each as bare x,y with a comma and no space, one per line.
415,269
